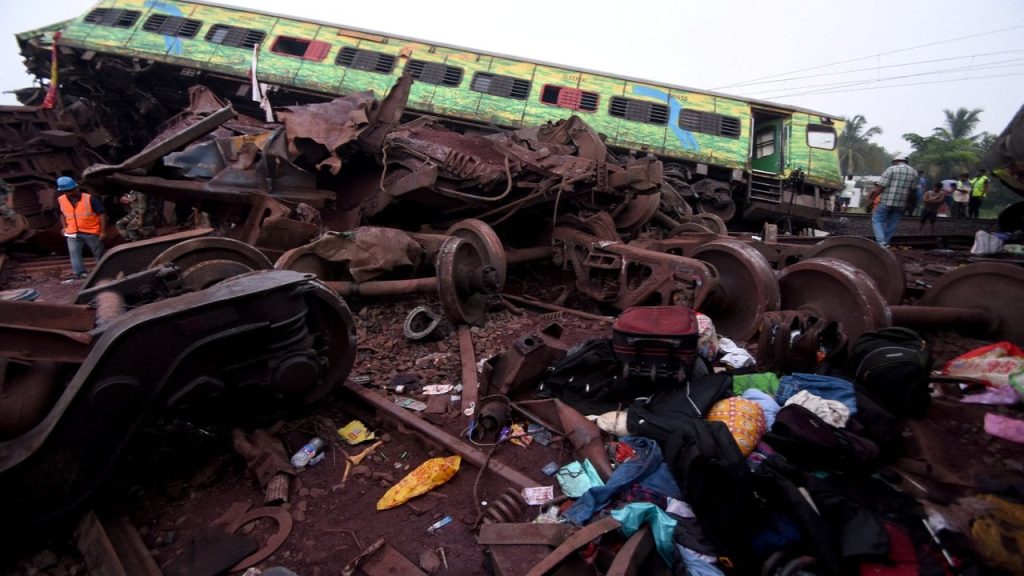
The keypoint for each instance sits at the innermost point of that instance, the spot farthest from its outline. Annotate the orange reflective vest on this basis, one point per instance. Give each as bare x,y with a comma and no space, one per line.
80,217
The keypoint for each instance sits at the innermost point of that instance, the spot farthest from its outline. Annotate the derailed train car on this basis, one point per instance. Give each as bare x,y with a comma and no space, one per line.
732,157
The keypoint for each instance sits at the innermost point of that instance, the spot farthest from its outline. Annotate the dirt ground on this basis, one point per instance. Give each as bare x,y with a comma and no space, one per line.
178,476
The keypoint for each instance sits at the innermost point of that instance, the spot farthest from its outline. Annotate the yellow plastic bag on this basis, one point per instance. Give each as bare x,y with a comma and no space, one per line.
355,432
423,479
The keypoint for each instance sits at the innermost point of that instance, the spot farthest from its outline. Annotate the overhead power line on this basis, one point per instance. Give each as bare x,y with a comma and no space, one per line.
844,90
872,68
820,66
984,66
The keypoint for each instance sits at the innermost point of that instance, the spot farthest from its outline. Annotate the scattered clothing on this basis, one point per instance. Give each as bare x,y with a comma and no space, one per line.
766,382
647,468
634,516
767,403
827,387
735,357
831,411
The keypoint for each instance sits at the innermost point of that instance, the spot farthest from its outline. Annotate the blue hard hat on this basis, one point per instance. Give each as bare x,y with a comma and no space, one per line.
65,183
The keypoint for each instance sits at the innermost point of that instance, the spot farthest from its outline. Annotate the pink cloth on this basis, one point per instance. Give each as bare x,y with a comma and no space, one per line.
1005,428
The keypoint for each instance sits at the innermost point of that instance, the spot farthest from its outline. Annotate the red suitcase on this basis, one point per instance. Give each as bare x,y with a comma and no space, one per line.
656,343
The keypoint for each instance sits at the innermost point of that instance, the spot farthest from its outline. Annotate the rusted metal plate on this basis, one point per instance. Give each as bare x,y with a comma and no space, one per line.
632,554
470,383
498,533
114,548
68,317
574,543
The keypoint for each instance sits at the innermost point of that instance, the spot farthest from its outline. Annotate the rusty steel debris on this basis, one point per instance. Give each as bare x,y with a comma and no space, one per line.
240,515
422,323
439,436
279,336
522,364
880,264
114,546
350,264
623,276
470,383
579,539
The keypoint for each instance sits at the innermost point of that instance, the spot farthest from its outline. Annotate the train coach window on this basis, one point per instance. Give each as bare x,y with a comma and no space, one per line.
234,36
504,86
435,73
571,98
172,26
764,142
379,62
709,123
112,17
819,136
300,48
638,110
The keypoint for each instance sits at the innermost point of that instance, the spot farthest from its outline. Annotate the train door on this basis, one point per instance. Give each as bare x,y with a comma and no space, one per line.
768,142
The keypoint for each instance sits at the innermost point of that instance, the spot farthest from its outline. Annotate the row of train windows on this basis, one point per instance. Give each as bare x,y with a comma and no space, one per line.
428,72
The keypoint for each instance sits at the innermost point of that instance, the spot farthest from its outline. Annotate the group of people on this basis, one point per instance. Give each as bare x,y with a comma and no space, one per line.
83,219
901,189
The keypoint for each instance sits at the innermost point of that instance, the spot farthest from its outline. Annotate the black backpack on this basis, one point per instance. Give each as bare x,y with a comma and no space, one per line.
893,366
716,481
661,415
589,379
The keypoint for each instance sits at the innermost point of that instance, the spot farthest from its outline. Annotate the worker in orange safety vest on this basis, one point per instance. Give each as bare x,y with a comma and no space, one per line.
84,219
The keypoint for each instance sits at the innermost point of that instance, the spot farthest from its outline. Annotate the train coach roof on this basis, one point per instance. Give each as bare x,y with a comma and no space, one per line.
760,103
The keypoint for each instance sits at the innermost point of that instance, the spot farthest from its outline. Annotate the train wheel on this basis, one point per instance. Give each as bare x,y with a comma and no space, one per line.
205,261
988,286
486,242
465,282
877,262
637,211
746,288
835,290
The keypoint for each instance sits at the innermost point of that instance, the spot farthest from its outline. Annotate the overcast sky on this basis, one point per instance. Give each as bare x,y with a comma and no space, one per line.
712,45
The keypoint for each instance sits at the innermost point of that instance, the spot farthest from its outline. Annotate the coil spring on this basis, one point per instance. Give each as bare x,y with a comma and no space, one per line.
509,507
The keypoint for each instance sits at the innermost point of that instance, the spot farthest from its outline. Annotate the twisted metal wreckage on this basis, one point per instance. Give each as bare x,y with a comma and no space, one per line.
451,212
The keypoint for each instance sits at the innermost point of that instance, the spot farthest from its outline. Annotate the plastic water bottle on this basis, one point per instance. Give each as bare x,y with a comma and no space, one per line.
303,456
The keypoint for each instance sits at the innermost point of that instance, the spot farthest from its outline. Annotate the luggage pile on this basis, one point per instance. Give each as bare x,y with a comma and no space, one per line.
751,471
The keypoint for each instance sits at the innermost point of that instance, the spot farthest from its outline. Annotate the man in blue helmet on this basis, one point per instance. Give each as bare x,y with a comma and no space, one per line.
84,220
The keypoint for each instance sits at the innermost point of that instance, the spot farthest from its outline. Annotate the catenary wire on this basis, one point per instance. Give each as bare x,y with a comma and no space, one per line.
984,66
816,92
818,67
872,68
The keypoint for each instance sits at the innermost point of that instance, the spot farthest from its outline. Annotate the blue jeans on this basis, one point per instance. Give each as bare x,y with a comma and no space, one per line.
75,250
884,221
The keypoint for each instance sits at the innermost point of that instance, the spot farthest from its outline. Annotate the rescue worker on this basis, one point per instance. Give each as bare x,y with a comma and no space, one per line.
139,223
6,190
979,187
84,219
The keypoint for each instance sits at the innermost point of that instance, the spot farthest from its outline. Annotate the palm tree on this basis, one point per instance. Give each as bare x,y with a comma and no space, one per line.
854,143
959,125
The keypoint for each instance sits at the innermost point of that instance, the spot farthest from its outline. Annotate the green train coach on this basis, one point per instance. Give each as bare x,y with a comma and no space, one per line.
734,157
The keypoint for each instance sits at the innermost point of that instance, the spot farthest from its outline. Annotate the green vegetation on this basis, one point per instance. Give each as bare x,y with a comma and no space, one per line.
857,154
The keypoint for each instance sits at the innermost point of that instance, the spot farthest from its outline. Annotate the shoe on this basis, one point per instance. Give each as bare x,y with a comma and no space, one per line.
884,245
82,276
